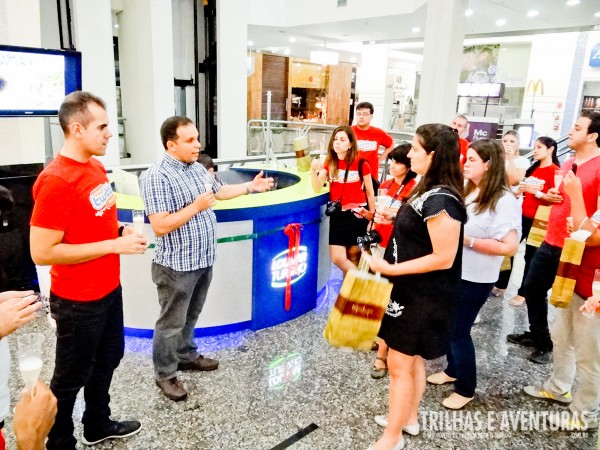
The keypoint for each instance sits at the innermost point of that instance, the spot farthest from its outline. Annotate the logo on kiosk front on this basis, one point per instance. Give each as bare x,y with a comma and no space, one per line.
279,267
595,56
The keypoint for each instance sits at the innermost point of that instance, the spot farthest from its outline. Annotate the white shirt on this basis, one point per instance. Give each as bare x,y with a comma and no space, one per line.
480,267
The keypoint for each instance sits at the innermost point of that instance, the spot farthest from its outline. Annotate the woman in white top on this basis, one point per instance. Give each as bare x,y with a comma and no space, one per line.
492,231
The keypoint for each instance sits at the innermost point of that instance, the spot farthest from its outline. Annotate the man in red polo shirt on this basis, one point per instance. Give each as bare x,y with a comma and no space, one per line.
369,139
461,124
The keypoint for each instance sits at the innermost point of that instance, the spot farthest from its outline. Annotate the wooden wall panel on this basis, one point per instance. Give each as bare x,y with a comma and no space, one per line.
255,89
338,98
275,79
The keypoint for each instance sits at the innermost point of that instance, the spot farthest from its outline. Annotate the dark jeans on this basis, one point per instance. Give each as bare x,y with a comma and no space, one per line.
536,285
181,296
461,353
504,276
89,347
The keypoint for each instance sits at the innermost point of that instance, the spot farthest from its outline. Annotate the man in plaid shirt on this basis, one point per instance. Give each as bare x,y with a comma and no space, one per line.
178,195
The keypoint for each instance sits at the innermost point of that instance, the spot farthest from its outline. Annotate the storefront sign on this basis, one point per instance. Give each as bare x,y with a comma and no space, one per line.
595,56
482,130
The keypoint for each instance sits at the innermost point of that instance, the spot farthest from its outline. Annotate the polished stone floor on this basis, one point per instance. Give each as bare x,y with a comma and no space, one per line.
278,384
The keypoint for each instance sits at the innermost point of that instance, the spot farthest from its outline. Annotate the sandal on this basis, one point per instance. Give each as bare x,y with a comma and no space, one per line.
517,300
379,372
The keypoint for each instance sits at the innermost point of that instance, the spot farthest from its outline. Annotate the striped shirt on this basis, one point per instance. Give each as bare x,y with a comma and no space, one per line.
170,186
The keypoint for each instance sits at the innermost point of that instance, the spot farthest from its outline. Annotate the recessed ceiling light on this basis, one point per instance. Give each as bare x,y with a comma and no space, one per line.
116,25
250,43
292,39
573,2
415,29
286,51
500,22
532,13
597,14
372,42
469,12
503,48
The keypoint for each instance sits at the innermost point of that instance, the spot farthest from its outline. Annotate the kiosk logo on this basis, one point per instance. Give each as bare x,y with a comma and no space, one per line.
279,267
595,56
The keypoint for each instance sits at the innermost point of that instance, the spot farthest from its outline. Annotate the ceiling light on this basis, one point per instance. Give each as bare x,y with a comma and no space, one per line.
597,14
292,39
116,25
500,22
258,50
532,13
250,43
572,2
371,42
324,58
286,51
415,29
469,12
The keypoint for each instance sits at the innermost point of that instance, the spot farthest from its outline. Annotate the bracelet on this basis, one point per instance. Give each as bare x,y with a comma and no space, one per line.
539,194
472,242
248,191
121,228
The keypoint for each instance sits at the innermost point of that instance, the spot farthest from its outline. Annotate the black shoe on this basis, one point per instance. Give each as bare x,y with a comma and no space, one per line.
541,356
525,339
112,430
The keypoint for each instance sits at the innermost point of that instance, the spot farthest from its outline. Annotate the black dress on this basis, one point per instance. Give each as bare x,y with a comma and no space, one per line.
419,316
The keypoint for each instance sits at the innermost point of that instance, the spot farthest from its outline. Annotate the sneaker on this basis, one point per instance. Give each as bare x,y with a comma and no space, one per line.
541,356
538,391
524,339
413,430
112,430
571,421
172,389
200,363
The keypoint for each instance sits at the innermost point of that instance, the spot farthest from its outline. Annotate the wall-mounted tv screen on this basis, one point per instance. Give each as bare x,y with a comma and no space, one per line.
34,81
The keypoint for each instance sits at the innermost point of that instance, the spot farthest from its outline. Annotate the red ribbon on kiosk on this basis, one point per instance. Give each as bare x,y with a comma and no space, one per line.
292,231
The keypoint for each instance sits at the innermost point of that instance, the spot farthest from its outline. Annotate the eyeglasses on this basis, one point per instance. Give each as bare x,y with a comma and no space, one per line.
359,114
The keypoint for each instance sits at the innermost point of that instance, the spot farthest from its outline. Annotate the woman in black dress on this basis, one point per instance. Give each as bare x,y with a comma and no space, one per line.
423,261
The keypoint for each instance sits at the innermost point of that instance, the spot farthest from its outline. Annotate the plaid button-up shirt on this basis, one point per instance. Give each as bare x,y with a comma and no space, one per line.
169,186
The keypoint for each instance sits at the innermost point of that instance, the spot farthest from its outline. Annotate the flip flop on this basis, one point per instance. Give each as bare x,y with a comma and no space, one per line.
379,372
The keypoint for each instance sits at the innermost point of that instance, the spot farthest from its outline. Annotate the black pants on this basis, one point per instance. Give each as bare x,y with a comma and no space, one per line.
536,285
89,347
504,276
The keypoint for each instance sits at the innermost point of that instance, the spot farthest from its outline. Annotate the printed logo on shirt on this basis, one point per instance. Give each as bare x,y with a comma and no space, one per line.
353,176
102,198
366,146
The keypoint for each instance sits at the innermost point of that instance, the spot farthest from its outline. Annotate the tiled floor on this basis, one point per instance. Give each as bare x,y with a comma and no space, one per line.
242,406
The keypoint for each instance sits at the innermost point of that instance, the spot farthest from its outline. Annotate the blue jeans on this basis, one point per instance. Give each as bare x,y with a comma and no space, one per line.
181,296
538,281
89,347
461,355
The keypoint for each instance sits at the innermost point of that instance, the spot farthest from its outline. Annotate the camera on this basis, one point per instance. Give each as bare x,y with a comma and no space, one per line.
365,242
333,206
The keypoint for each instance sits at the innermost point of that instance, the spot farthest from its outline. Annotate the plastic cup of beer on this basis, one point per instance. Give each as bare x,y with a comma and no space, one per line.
381,199
30,358
558,177
137,219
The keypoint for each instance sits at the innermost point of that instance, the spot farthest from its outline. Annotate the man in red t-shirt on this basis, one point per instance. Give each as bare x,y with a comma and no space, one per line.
74,228
576,338
369,138
461,124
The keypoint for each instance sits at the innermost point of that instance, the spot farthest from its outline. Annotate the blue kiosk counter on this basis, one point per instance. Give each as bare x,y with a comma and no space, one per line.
272,258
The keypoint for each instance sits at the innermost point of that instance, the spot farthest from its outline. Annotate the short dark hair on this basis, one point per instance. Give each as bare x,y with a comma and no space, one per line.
594,126
365,105
206,161
74,108
168,130
400,155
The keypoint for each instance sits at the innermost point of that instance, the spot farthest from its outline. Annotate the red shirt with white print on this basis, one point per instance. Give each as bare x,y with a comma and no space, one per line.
350,191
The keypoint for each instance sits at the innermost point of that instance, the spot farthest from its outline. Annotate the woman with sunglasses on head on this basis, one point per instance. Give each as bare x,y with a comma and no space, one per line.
423,261
351,196
492,231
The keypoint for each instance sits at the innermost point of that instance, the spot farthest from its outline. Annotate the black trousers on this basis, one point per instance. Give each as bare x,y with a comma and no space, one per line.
89,346
536,285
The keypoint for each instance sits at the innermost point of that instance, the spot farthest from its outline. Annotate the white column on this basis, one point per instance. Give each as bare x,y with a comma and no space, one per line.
22,138
146,70
93,38
371,80
444,37
232,35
